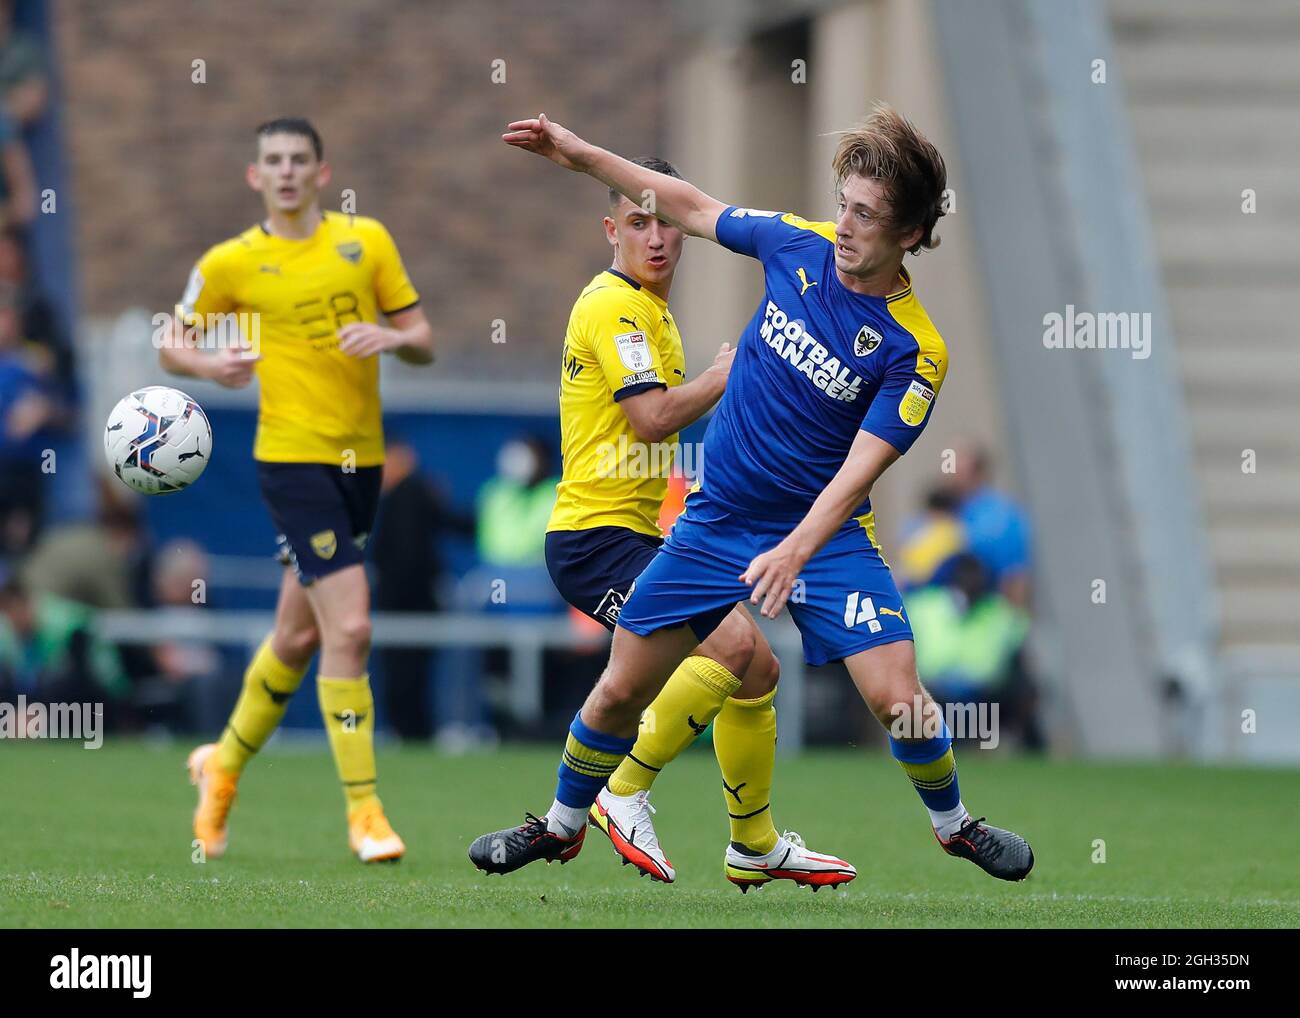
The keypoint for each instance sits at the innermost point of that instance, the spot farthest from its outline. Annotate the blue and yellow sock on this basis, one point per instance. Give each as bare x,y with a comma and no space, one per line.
590,757
932,768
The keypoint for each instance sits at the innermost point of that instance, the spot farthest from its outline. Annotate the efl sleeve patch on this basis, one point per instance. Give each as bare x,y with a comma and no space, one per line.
915,404
207,291
634,351
193,287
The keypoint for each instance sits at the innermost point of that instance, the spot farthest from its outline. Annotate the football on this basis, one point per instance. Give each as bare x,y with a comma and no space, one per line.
158,440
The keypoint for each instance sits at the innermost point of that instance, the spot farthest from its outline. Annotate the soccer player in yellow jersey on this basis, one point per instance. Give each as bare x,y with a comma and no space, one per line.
623,399
316,284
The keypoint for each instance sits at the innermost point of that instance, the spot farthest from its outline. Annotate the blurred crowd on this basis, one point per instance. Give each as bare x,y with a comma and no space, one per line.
963,567
47,642
37,396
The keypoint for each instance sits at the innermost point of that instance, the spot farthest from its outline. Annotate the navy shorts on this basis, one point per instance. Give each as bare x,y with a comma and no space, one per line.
596,570
845,600
323,514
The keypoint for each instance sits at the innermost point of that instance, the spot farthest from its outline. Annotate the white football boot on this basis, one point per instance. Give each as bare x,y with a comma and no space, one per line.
789,860
625,819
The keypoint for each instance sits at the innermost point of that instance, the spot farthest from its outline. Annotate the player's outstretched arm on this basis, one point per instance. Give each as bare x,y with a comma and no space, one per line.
772,574
658,413
675,201
179,354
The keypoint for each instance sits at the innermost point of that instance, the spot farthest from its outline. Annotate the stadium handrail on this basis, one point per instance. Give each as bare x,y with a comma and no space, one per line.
526,640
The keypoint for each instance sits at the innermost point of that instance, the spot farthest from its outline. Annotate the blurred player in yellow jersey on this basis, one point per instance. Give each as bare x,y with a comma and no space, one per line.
623,399
318,284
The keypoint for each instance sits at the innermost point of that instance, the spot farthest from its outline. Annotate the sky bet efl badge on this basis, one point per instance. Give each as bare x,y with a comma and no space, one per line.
916,401
633,350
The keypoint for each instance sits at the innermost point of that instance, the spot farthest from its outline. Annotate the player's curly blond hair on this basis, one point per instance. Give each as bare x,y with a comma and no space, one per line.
889,149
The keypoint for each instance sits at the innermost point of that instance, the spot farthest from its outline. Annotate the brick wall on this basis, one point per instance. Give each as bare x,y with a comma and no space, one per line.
403,96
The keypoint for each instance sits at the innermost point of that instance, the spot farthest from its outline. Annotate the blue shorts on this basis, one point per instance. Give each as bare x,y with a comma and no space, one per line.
596,569
845,600
323,513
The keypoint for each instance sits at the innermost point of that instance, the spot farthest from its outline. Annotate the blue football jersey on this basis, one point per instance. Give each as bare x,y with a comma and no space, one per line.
815,364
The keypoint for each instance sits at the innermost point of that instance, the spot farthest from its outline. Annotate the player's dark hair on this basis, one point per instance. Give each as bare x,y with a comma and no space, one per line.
300,126
890,150
969,575
650,163
941,500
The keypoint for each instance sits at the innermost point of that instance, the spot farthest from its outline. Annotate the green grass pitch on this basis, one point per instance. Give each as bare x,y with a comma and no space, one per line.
101,838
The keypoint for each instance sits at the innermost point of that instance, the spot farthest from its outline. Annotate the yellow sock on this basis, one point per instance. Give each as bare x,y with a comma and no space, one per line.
349,713
268,684
690,699
744,739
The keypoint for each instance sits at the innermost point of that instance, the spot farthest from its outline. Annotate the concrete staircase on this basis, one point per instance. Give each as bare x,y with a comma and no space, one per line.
1213,91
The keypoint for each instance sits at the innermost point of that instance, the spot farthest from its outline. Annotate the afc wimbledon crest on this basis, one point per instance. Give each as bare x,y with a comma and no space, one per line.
866,341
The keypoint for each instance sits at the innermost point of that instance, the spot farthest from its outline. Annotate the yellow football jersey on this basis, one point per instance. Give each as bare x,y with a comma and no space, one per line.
621,341
317,403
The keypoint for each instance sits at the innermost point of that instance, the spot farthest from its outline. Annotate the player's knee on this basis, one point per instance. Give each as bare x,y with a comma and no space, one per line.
614,702
762,676
733,648
353,633
768,668
619,697
895,697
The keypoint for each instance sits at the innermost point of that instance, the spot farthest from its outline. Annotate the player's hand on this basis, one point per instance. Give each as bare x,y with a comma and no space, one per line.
28,414
232,367
772,575
549,139
364,339
722,362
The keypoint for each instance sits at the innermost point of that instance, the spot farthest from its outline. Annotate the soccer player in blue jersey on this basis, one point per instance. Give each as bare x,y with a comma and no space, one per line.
834,378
